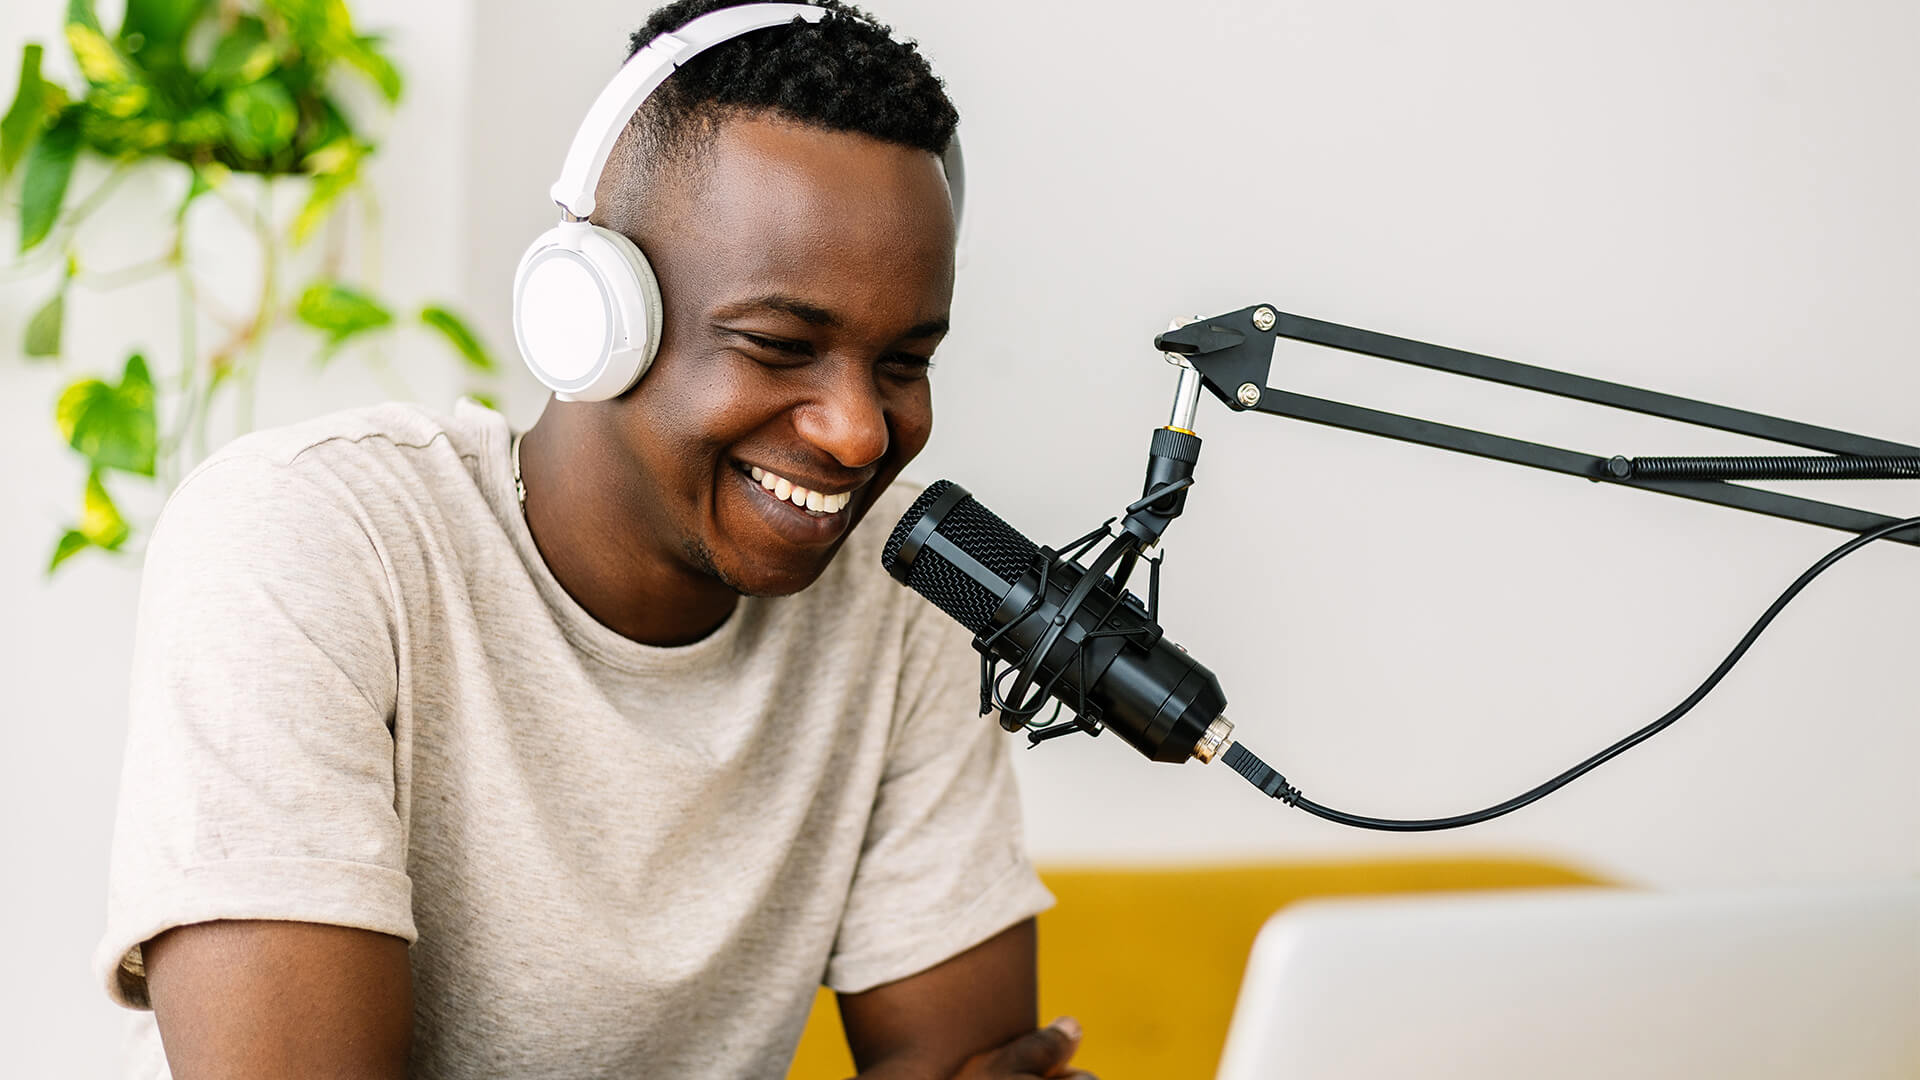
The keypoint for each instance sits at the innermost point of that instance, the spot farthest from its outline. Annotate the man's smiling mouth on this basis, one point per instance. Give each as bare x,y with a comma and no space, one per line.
816,503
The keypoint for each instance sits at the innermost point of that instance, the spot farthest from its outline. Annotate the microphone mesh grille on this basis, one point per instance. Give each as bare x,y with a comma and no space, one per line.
909,519
980,533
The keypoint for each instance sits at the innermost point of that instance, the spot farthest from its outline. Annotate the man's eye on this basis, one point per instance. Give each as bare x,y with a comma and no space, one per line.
781,345
774,352
910,364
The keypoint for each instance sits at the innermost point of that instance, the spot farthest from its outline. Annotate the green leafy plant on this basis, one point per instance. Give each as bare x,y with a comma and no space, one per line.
216,88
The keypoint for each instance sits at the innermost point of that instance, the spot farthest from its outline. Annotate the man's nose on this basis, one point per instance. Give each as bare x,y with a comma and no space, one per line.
847,417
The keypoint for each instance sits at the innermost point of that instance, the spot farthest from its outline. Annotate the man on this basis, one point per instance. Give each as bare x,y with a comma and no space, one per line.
429,778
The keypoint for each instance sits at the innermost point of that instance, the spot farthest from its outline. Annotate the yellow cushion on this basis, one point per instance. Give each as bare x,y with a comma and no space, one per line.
1149,959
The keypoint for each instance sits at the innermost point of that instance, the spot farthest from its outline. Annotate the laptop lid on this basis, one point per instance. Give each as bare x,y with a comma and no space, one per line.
1782,984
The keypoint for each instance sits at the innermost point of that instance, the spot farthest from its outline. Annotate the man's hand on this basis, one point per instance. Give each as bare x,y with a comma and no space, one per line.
1042,1053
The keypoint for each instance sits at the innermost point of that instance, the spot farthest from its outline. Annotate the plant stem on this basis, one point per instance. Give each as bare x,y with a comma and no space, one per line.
35,262
336,244
370,241
104,280
73,218
383,370
248,369
212,309
189,418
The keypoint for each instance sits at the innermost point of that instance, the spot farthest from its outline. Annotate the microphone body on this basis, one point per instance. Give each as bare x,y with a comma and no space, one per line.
1109,662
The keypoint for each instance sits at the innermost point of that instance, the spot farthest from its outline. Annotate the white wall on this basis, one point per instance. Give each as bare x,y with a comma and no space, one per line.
1712,199
66,643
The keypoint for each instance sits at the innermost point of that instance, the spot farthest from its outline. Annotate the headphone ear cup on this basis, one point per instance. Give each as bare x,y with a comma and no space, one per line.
586,311
643,312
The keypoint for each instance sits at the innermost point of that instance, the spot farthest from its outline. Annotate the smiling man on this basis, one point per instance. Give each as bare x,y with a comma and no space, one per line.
593,752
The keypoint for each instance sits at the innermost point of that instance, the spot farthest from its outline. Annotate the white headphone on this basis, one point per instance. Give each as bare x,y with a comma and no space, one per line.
586,306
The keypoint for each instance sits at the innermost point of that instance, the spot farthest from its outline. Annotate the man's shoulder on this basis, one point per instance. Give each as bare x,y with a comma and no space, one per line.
355,449
372,428
369,468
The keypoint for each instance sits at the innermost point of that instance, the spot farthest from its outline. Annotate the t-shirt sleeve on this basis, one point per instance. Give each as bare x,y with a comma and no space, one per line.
944,865
259,780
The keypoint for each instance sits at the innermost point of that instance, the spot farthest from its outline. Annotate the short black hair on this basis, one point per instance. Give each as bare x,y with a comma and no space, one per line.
843,73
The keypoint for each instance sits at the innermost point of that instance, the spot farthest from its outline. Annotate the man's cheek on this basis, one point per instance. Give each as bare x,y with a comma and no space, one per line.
911,436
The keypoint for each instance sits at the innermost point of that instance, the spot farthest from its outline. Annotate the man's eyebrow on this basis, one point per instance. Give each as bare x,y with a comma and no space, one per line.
815,315
811,314
930,328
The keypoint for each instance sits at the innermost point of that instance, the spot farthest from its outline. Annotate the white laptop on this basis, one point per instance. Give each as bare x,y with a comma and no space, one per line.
1782,984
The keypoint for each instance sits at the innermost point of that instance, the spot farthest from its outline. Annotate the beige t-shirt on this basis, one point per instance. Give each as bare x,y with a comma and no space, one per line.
360,698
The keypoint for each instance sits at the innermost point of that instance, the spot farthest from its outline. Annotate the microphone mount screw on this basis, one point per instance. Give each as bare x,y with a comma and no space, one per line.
1249,394
1263,318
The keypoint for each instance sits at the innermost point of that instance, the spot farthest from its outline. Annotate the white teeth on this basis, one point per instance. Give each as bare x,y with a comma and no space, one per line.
787,491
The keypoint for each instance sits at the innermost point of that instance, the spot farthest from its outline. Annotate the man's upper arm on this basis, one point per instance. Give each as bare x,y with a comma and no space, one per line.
260,781
281,999
929,1024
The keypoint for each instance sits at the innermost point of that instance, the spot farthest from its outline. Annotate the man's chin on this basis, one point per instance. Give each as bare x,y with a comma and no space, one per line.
769,586
761,581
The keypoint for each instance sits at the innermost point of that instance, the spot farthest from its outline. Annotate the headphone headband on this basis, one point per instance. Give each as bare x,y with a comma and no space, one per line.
648,68
640,76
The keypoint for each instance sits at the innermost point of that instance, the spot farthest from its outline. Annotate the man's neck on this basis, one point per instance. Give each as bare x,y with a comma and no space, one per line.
600,555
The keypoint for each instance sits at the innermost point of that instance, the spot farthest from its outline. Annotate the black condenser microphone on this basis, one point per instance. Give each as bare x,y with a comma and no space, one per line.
1108,659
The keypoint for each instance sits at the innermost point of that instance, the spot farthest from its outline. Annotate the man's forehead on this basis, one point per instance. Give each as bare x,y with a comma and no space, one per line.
764,161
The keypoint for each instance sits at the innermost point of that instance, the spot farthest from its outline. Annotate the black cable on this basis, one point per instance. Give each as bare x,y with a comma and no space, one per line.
1264,777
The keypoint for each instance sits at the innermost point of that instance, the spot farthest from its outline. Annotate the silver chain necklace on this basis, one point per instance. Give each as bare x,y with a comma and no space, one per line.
519,486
